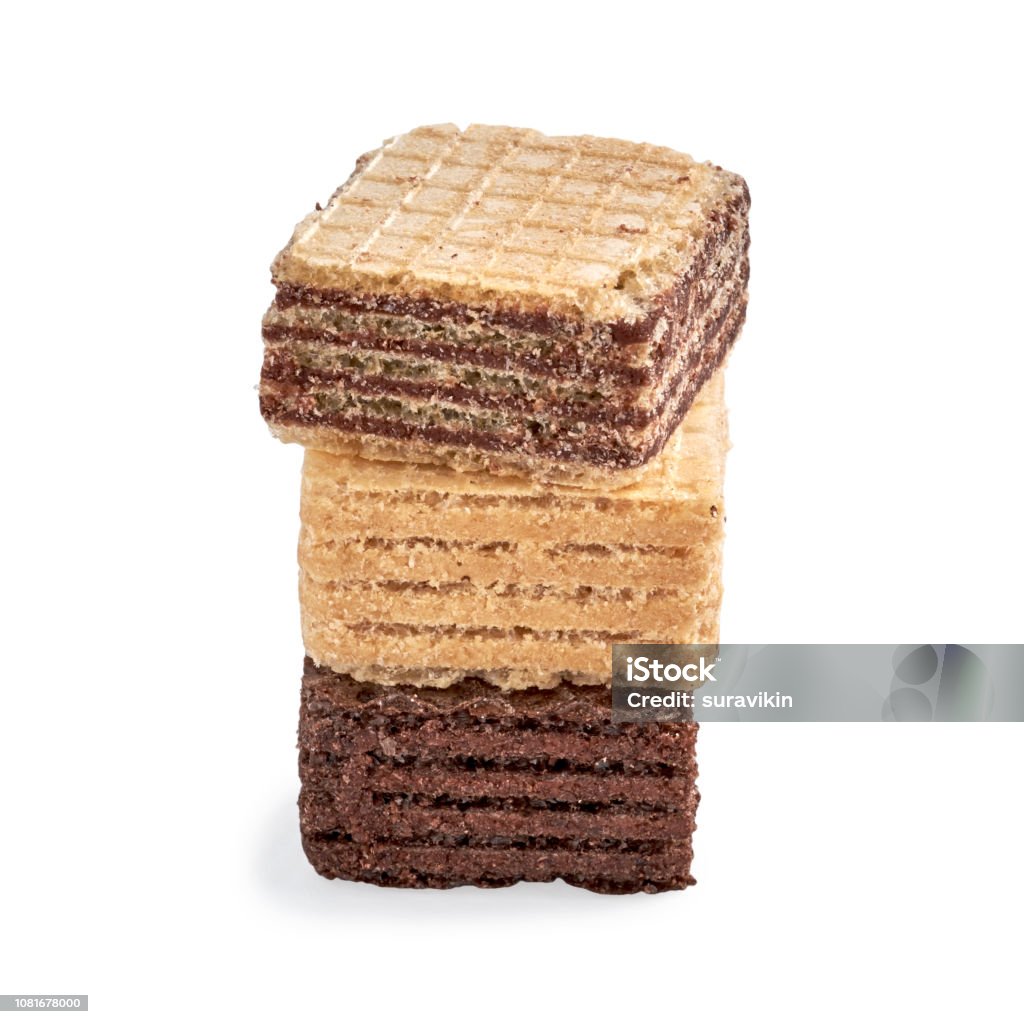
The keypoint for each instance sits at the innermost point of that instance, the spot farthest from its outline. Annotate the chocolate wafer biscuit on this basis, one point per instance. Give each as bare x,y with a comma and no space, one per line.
495,299
466,786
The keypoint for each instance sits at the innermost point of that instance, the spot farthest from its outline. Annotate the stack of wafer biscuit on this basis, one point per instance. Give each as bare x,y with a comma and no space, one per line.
502,352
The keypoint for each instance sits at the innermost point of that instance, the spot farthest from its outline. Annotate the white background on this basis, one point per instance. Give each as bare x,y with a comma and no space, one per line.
155,163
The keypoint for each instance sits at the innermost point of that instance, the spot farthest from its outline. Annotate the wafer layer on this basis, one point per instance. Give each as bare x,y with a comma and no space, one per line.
495,299
421,574
429,788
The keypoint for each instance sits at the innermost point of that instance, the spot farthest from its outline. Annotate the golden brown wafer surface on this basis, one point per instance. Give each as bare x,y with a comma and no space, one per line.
572,225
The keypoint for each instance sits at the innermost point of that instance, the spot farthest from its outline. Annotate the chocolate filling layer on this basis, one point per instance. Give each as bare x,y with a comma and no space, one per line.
711,356
282,368
559,362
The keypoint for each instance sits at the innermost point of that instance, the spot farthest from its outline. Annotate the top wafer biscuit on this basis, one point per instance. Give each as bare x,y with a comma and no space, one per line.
569,226
498,300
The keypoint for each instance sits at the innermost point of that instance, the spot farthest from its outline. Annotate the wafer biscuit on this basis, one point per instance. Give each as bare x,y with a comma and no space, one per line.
499,300
421,574
439,788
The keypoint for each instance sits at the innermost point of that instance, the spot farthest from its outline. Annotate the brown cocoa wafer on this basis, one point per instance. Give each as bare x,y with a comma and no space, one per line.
468,786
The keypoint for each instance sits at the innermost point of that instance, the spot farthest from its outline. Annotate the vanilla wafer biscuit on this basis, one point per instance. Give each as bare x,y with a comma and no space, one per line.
420,574
495,299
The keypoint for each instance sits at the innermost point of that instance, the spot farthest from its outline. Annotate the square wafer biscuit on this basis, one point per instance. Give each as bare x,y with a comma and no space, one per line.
467,786
495,299
422,575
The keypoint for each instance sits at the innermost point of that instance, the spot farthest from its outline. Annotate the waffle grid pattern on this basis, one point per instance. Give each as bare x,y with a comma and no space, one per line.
512,210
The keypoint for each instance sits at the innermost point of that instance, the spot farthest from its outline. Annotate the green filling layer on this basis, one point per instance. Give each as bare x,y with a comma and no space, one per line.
453,334
324,359
333,402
